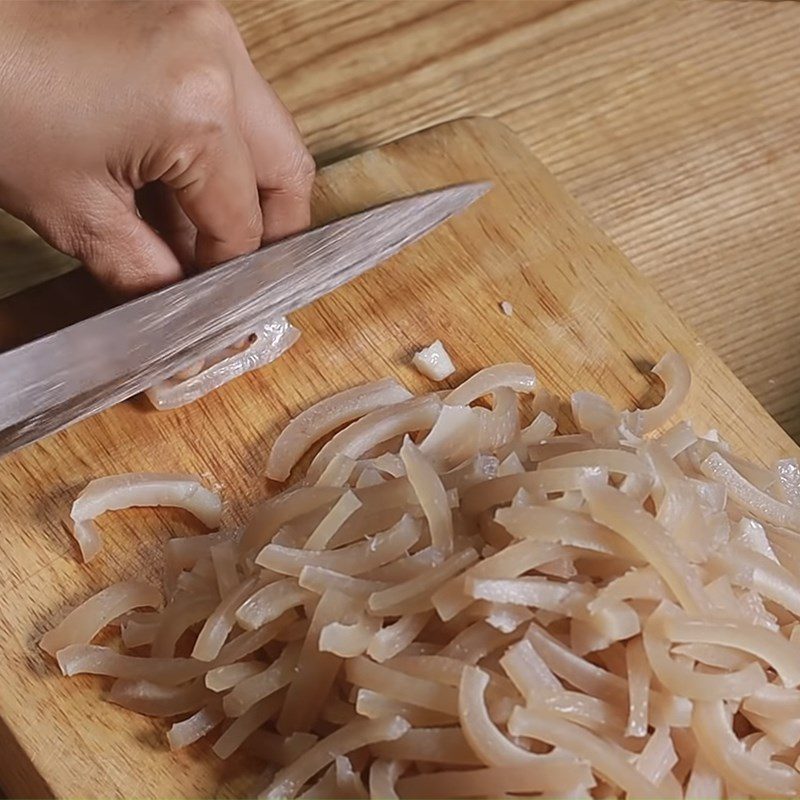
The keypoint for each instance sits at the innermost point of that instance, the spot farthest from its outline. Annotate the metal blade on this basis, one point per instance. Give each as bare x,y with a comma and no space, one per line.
73,373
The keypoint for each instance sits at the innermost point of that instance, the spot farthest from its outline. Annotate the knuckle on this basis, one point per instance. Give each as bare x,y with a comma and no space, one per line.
245,230
306,168
205,91
211,84
204,18
177,164
253,228
302,169
197,81
200,102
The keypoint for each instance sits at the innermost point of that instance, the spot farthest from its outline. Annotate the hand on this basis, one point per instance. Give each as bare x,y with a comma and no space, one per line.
108,108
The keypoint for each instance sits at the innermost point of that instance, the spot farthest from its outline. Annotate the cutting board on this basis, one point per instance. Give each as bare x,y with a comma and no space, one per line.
582,315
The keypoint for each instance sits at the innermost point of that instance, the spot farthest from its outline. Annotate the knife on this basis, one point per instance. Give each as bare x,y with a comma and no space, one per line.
73,373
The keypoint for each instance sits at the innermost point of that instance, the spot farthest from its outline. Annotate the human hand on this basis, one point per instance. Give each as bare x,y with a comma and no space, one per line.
112,107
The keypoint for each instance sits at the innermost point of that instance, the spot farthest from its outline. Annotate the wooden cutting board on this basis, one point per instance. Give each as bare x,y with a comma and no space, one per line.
582,315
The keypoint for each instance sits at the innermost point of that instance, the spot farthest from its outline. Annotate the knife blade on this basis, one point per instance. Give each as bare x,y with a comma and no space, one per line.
73,373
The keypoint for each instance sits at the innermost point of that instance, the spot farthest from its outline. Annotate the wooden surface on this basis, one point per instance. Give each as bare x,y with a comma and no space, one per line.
582,314
673,123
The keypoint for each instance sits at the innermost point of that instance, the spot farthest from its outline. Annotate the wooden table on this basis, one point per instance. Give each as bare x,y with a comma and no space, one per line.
675,124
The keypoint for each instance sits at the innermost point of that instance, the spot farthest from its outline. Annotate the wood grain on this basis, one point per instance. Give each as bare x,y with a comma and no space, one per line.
583,315
673,123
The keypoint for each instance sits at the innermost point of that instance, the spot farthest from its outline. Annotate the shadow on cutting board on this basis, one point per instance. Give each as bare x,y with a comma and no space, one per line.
25,259
40,289
49,307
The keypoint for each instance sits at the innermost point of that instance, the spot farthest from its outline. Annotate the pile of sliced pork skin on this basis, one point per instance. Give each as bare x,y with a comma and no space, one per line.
456,600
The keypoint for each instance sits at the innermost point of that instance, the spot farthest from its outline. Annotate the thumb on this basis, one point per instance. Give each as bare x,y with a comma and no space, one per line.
119,248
